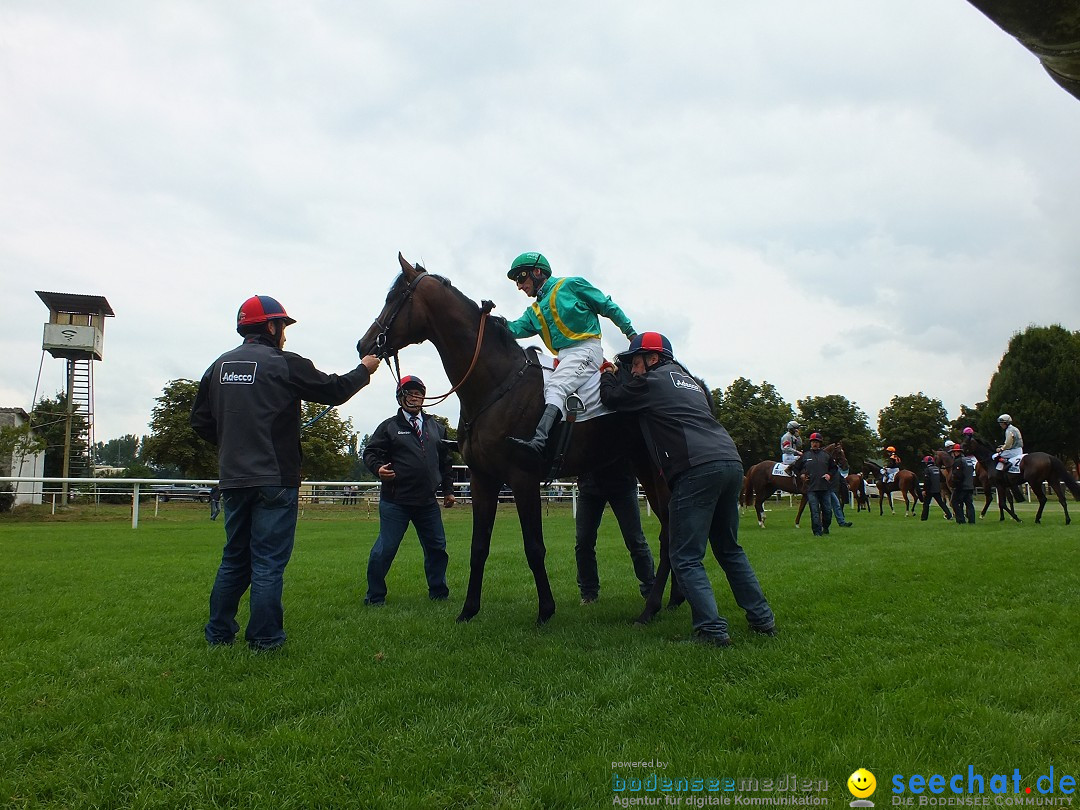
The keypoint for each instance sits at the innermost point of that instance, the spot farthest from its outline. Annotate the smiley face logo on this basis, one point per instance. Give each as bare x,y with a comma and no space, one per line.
861,783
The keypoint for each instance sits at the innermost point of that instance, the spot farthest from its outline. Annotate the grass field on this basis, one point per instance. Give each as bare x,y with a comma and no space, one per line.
905,647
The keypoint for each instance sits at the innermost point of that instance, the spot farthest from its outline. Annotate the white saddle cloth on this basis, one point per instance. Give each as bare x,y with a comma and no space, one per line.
780,468
589,390
1013,464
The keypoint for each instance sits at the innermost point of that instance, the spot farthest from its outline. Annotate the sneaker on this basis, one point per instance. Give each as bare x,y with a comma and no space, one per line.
847,525
764,630
710,640
439,597
373,603
589,599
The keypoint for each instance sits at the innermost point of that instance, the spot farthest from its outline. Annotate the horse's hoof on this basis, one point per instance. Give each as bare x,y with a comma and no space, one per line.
467,612
544,616
465,617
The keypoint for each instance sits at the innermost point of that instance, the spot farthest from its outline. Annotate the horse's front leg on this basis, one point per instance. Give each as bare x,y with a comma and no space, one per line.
532,534
798,515
485,501
663,567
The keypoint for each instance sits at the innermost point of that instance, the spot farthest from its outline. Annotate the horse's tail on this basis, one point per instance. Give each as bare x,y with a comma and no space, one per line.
1058,467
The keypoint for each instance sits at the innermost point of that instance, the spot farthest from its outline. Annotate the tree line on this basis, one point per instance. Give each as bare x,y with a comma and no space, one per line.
1037,382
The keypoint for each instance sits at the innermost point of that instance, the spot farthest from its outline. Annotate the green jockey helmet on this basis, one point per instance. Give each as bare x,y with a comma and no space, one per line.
523,265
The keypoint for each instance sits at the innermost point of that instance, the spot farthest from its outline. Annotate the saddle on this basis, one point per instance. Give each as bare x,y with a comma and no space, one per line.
780,468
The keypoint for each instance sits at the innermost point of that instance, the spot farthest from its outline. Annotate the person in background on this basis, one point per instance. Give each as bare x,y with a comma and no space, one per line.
838,497
215,501
1013,445
410,457
962,481
614,484
248,404
790,443
821,472
932,488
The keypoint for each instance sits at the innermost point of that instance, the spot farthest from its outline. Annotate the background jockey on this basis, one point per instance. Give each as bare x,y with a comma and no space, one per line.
790,443
565,317
969,433
892,464
1013,446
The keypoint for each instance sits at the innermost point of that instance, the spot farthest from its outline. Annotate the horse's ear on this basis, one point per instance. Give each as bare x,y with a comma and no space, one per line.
406,268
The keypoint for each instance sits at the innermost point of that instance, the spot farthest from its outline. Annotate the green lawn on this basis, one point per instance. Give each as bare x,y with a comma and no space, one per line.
905,647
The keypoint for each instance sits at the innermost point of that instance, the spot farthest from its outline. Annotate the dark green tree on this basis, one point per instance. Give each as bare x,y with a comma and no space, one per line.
755,416
49,420
117,452
325,444
838,419
1038,384
915,425
979,418
172,443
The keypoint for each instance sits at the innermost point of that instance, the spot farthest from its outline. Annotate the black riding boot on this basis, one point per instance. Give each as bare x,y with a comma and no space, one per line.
548,419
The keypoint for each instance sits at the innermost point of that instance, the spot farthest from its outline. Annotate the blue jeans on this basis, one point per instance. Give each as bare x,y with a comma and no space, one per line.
837,507
704,508
394,519
820,510
595,491
963,502
260,526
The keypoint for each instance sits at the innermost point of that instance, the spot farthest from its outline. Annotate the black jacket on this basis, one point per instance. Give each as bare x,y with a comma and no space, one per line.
675,416
249,406
815,463
962,476
932,480
421,468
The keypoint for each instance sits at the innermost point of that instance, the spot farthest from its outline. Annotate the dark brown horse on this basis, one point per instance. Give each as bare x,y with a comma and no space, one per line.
759,483
501,394
1036,469
906,483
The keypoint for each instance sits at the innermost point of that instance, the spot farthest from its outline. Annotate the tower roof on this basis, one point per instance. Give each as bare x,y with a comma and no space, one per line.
72,302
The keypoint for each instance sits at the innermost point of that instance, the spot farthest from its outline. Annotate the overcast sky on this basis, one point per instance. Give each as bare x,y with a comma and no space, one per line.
851,197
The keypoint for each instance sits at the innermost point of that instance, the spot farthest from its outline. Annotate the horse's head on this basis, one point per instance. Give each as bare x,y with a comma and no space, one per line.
406,315
836,452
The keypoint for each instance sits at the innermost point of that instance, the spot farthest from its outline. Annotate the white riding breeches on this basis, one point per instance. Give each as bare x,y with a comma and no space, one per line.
576,364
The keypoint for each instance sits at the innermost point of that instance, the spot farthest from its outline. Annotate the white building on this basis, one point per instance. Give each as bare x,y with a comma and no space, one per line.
29,466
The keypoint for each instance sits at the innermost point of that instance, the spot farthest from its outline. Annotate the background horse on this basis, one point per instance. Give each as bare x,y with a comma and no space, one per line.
501,394
759,483
1036,469
905,482
857,487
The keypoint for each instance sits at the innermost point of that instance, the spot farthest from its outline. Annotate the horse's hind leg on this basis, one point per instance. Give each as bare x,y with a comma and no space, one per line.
485,500
798,515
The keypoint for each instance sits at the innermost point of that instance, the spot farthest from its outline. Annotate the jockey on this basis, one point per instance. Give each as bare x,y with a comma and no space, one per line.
790,443
565,317
949,445
969,434
892,464
1013,446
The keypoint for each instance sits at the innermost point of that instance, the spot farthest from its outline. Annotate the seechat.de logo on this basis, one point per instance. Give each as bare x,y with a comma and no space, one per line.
238,372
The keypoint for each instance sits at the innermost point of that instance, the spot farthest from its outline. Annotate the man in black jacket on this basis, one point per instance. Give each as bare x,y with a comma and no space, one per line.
248,405
962,481
704,473
820,471
932,488
409,455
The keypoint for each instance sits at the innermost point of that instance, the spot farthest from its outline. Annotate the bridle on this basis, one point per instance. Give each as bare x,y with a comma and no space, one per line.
383,352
